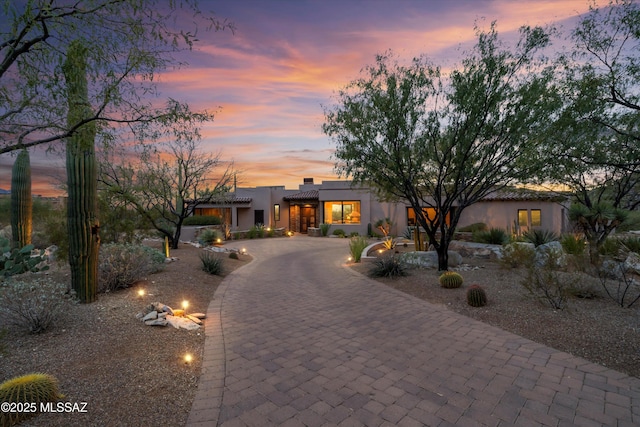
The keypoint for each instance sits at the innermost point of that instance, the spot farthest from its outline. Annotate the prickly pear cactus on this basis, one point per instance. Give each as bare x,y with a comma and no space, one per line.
476,296
21,202
450,280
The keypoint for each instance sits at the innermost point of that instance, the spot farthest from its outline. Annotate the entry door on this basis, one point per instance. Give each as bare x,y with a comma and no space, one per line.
307,218
258,216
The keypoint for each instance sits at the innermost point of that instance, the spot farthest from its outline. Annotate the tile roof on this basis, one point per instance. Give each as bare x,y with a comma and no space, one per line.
520,194
305,195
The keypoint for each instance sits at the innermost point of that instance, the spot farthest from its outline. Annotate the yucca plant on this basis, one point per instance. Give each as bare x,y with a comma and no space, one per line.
540,237
211,263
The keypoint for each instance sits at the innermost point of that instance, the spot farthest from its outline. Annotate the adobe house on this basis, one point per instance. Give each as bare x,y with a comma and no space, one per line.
353,209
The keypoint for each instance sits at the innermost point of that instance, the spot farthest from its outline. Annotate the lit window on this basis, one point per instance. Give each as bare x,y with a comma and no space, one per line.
536,218
523,218
430,213
276,212
342,212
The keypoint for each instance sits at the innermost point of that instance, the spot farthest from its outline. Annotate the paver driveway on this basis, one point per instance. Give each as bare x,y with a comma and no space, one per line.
296,339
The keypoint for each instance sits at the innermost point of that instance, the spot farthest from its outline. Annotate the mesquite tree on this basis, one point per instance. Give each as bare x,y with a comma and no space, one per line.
82,221
21,201
442,144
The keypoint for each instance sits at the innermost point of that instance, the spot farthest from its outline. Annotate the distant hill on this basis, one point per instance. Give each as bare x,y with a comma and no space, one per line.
4,192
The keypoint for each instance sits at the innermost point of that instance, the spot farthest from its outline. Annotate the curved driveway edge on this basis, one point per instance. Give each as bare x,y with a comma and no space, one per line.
306,342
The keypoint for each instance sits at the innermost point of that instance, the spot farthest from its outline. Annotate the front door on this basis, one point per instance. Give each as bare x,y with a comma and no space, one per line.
307,218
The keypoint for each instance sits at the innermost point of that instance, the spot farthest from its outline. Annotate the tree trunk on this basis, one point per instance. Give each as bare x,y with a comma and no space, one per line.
443,257
21,201
82,223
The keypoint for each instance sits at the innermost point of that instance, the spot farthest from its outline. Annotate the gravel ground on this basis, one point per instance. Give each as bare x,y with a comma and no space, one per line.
132,374
127,373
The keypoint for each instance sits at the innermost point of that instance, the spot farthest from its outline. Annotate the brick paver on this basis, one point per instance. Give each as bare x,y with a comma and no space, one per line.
296,339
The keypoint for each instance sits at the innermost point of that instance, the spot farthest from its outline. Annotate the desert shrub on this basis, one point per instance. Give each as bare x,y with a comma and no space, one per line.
157,258
339,232
610,247
354,234
618,284
122,264
211,263
476,296
388,266
573,244
630,244
450,280
356,246
492,236
540,237
472,228
548,283
631,223
208,237
324,228
33,304
202,220
517,254
55,233
233,255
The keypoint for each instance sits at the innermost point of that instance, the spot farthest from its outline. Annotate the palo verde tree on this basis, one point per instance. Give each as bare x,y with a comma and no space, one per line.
168,183
594,145
442,142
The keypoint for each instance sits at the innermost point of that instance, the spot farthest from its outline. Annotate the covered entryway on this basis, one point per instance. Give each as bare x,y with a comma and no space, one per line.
303,211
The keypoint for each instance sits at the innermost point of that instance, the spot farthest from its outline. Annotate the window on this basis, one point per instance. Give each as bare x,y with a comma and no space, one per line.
523,218
276,212
536,218
339,212
529,218
429,212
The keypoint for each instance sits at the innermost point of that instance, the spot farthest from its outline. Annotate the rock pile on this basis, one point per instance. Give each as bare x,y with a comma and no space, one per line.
159,314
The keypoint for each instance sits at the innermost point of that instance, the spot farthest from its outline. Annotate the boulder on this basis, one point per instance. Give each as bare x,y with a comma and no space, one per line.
182,322
156,322
543,252
194,319
429,259
198,315
152,315
160,307
632,263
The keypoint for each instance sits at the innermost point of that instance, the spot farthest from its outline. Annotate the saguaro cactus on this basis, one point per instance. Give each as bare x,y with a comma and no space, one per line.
21,202
82,222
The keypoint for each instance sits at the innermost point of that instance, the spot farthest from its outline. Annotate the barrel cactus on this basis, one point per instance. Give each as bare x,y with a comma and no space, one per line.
476,296
21,202
450,280
30,389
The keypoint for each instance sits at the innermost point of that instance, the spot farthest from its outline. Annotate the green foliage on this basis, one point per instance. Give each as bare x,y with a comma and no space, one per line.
233,255
31,389
388,266
123,264
356,246
632,222
471,228
339,232
354,234
33,303
408,233
630,244
573,244
208,237
610,247
21,201
476,296
55,233
517,254
212,263
18,261
450,280
540,237
202,220
493,236
324,228
384,225
389,243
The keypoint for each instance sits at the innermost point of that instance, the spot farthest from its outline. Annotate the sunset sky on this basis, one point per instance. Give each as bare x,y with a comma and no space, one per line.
270,79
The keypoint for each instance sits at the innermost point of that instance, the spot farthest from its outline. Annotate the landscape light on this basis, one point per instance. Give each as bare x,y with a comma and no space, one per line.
188,358
185,304
141,292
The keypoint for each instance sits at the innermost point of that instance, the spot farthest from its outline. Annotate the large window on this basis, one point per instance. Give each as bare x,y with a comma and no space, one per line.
276,212
342,212
429,212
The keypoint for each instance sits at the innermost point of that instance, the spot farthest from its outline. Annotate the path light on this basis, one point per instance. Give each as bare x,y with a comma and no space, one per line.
350,259
188,358
244,251
218,240
140,293
185,304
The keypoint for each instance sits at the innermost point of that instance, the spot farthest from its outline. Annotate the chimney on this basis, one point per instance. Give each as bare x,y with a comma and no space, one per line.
308,181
